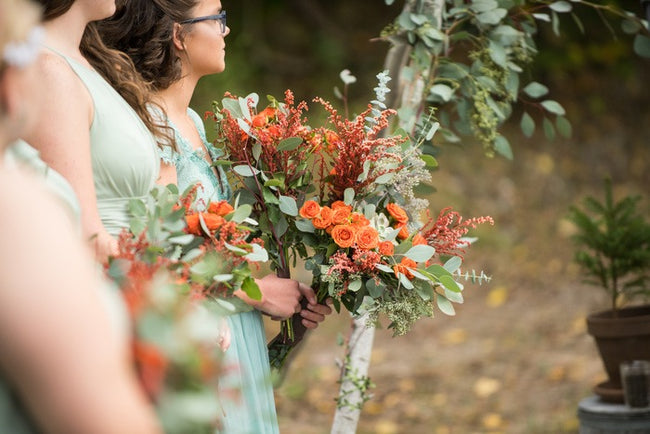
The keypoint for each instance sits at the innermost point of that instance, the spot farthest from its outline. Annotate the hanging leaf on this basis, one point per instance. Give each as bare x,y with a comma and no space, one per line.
445,305
527,125
561,6
563,127
553,107
642,45
502,146
549,129
535,89
245,170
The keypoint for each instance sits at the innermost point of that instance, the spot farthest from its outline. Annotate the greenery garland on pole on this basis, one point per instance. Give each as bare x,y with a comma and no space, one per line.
465,61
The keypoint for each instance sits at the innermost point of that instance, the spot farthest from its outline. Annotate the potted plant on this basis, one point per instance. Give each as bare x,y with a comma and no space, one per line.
613,250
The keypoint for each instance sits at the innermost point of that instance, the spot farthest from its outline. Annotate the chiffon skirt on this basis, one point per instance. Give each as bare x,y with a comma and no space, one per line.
246,391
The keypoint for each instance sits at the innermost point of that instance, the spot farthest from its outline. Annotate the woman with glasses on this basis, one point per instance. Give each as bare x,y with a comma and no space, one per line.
174,43
64,366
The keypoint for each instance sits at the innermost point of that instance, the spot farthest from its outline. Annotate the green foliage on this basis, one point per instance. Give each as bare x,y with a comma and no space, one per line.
613,245
471,57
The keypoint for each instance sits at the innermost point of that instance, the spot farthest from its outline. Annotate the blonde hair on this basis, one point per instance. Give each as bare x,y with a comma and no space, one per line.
17,19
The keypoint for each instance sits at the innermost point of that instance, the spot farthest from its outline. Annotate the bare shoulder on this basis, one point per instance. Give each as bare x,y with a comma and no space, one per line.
58,80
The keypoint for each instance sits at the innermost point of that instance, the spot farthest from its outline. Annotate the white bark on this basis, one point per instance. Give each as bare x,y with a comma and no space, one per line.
407,93
358,354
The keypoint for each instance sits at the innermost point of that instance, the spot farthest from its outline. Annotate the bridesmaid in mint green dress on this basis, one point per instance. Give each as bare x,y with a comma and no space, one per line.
88,132
173,45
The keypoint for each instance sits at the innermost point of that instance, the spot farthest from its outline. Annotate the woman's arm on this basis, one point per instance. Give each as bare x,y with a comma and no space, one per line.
58,348
63,139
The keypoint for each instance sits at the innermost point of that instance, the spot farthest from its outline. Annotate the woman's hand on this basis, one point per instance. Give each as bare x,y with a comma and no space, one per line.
280,297
315,313
104,245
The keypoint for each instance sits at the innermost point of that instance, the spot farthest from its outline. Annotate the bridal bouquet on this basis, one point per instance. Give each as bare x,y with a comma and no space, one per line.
176,269
341,197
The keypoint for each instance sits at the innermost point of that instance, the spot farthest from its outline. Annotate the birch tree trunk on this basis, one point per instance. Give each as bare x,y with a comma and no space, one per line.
407,95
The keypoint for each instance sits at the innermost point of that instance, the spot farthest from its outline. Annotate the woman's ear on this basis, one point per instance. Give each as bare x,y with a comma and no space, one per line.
177,37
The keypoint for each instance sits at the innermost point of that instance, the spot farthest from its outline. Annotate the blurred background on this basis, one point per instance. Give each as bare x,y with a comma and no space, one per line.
516,358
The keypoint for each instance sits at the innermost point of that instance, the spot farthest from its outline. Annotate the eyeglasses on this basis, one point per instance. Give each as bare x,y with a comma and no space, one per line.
221,17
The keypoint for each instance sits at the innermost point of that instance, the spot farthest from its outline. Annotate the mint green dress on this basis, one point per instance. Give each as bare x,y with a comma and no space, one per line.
246,391
123,151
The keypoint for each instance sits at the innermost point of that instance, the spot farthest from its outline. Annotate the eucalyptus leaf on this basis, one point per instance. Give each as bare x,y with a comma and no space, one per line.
549,129
535,89
563,127
502,146
289,144
245,170
561,6
348,196
420,253
453,264
406,283
375,288
553,107
305,226
232,105
241,213
259,254
642,45
442,92
385,178
182,239
449,283
354,285
527,125
288,205
445,305
429,160
493,17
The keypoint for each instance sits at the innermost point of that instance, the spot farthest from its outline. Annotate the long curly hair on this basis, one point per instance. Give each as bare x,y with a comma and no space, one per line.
116,68
144,30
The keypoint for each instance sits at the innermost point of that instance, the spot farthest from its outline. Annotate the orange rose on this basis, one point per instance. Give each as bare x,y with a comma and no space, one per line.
213,221
221,208
418,239
325,218
367,237
359,219
344,235
403,232
397,213
193,224
386,248
403,267
264,117
340,204
310,209
340,216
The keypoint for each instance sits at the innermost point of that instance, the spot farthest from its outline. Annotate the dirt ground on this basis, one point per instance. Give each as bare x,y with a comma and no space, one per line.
516,358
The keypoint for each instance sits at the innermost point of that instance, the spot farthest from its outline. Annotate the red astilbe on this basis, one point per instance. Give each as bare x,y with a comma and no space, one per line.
356,146
445,233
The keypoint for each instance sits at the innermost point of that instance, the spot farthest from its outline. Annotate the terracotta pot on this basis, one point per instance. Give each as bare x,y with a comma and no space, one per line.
620,339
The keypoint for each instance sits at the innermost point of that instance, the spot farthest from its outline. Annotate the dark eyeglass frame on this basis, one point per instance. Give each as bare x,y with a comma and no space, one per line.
221,17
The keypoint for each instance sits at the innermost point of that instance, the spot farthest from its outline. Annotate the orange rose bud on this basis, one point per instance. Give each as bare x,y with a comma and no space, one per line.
402,267
367,237
397,213
325,218
340,216
309,209
418,239
221,208
386,248
344,235
403,232
359,219
259,121
340,204
213,221
193,224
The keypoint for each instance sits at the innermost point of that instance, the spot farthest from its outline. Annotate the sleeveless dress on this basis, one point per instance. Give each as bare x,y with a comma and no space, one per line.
123,150
246,391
